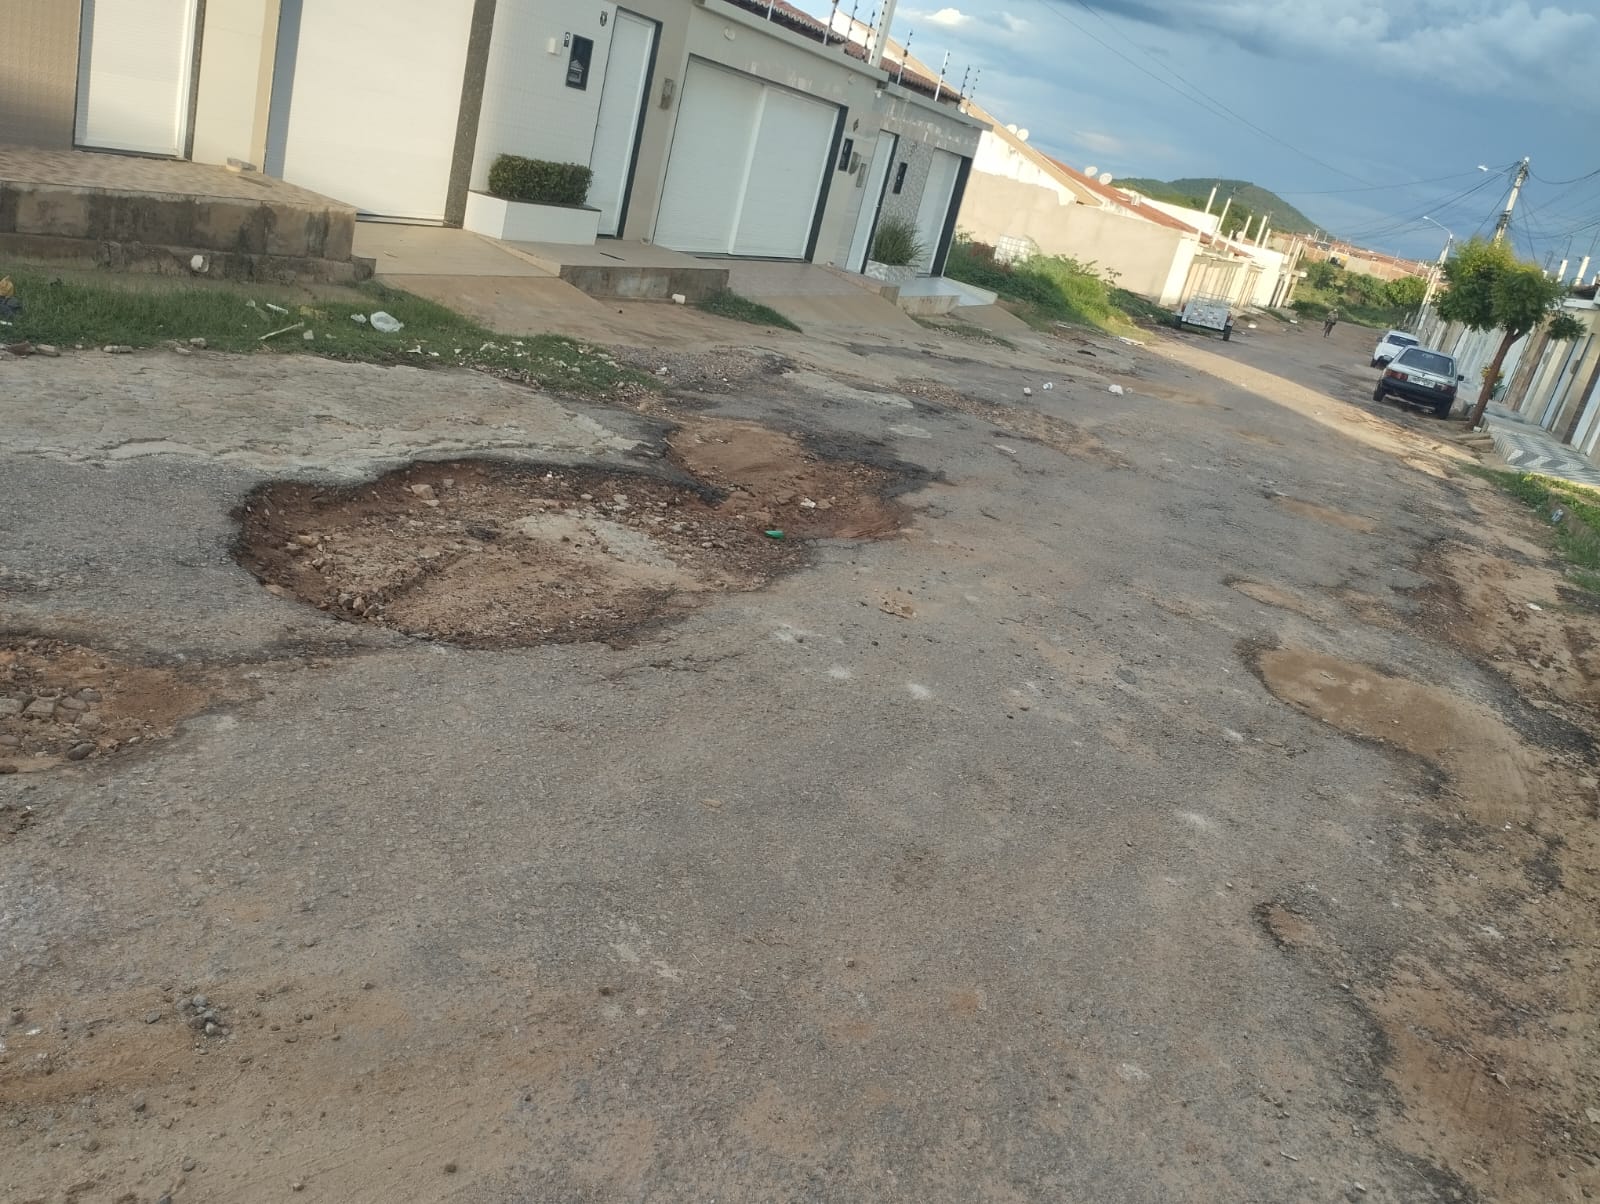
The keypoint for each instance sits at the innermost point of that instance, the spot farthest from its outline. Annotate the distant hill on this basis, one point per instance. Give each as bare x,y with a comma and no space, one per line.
1285,217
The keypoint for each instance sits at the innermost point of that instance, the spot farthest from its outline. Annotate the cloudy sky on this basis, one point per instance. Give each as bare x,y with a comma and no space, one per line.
1329,102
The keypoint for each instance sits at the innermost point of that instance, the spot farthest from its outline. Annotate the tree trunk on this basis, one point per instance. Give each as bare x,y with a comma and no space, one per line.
1489,378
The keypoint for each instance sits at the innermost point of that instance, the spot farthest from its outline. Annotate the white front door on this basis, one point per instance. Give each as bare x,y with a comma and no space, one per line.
746,169
135,68
934,210
365,100
873,186
616,133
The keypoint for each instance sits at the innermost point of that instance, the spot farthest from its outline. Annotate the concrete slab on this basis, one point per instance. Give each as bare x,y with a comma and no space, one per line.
854,311
761,279
170,218
628,271
399,250
528,304
994,319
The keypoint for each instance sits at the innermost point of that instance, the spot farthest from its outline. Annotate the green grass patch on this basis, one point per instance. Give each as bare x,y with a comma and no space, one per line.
1577,531
729,304
145,312
1043,289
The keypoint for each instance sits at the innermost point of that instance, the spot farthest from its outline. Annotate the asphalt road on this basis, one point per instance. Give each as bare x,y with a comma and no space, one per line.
796,899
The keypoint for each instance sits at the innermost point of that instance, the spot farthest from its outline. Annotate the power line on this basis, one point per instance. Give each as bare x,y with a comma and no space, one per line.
1575,179
1376,187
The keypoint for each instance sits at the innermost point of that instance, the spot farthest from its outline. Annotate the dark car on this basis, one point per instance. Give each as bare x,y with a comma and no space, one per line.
1422,378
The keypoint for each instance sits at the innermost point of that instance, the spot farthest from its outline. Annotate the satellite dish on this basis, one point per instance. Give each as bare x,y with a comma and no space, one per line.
1012,126
1091,171
1105,177
1022,135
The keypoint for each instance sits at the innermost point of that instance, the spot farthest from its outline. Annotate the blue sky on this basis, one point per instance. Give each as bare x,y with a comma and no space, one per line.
1344,95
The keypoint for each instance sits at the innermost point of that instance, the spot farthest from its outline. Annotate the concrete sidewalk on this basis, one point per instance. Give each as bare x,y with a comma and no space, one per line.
1530,448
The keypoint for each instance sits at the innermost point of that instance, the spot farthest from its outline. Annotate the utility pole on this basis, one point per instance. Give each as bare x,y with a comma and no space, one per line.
1501,226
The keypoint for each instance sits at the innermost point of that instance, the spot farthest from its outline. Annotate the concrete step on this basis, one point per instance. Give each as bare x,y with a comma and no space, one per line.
184,261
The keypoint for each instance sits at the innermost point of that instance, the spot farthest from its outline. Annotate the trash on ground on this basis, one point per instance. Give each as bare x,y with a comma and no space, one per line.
679,299
117,349
775,533
1027,392
1122,338
309,336
197,263
1558,514
1534,606
1048,385
359,318
1117,389
272,334
898,607
277,309
386,323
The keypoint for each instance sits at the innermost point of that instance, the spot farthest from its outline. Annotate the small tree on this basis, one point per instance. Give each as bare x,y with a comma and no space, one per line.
1324,275
1490,289
1407,292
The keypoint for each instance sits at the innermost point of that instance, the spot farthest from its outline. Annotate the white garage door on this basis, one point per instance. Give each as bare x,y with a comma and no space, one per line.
365,99
934,210
135,60
747,166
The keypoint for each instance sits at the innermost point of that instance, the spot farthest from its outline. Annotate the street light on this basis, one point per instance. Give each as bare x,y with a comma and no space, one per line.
1438,268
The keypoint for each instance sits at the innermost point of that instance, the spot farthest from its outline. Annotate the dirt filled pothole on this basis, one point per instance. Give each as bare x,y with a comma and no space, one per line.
489,554
63,702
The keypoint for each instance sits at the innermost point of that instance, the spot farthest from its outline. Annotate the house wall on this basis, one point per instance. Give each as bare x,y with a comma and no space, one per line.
237,47
39,78
527,108
1152,261
997,156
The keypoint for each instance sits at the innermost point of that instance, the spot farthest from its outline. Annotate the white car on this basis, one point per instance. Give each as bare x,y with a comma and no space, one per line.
1392,344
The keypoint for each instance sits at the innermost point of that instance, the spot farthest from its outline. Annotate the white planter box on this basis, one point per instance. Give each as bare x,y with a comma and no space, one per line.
519,221
893,275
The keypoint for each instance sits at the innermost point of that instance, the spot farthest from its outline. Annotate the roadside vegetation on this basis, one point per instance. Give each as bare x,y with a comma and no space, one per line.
1572,511
729,304
1045,289
1359,297
150,311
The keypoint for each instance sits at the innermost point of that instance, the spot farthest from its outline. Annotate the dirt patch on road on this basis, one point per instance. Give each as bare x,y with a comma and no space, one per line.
1016,422
1517,617
488,554
63,702
1487,1040
1271,595
1495,772
1326,514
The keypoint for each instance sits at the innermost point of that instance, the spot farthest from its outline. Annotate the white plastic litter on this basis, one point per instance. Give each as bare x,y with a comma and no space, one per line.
1251,326
1534,606
197,263
679,299
386,323
310,336
277,309
1049,384
1026,392
1117,389
1122,338
360,318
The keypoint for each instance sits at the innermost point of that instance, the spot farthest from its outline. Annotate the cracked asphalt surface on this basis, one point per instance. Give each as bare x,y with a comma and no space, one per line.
794,899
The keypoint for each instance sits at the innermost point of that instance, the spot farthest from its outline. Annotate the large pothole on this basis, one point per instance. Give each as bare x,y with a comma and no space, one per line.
489,554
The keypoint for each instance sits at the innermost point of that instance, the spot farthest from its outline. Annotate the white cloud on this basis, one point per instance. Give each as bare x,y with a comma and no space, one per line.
950,18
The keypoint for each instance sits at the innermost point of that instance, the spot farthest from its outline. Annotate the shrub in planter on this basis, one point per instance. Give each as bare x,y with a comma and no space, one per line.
896,244
539,181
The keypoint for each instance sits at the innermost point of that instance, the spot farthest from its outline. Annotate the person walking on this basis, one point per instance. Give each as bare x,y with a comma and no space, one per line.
1329,322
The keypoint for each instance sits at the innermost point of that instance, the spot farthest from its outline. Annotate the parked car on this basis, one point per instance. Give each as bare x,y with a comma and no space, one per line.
1422,378
1392,344
1210,313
